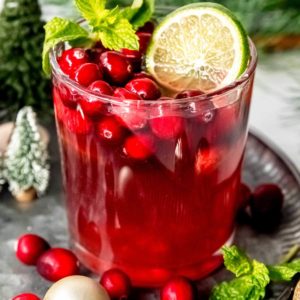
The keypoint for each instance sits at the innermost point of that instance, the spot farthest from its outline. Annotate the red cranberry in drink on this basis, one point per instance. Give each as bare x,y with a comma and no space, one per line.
189,94
139,147
135,56
30,247
146,88
72,59
87,73
116,283
101,87
207,158
117,70
142,75
94,53
57,263
178,288
77,122
147,27
123,94
110,130
26,296
66,96
266,207
92,106
167,126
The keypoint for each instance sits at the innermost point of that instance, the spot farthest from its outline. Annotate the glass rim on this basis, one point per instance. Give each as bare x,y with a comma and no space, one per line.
205,98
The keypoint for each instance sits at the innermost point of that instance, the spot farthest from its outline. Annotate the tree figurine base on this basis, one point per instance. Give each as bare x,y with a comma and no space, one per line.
26,196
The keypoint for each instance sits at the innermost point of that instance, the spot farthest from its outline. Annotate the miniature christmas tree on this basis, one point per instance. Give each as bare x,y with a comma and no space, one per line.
21,40
26,161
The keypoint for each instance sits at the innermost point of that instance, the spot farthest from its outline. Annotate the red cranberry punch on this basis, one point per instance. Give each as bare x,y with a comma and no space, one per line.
152,138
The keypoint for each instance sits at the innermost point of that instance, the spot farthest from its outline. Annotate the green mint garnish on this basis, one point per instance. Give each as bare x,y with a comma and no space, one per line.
60,30
115,28
251,281
252,276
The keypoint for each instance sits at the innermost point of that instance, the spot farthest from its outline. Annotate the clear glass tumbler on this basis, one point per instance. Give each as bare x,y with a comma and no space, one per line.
160,199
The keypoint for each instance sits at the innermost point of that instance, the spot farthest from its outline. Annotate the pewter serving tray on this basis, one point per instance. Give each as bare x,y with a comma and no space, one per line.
263,163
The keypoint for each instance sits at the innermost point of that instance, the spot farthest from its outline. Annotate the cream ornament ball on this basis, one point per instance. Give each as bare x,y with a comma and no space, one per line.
76,288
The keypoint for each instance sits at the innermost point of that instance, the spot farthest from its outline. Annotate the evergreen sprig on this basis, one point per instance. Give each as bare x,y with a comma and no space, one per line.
21,40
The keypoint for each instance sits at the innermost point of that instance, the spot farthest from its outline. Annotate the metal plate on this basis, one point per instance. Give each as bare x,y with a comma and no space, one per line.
263,163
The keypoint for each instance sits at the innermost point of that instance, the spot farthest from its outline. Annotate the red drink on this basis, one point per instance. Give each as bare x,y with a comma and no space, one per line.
151,186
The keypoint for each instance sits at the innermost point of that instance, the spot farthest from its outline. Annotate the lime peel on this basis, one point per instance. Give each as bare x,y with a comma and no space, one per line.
198,46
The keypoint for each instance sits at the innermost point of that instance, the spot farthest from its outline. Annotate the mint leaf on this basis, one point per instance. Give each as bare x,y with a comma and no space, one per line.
252,277
115,32
247,287
236,261
284,272
90,9
139,13
60,30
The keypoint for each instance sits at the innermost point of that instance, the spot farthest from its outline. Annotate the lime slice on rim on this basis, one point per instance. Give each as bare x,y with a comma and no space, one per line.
198,46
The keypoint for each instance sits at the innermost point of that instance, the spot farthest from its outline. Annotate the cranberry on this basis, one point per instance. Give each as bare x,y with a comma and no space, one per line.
87,74
139,147
71,59
77,122
189,94
30,247
135,56
116,283
101,87
116,67
207,158
92,106
122,93
245,195
266,206
57,263
26,296
146,88
142,75
167,127
66,96
147,27
95,53
179,288
110,130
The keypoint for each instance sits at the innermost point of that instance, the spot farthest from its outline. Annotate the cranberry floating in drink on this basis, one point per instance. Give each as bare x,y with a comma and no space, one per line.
152,159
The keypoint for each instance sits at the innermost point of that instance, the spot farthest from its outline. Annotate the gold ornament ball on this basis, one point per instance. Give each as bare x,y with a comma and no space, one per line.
76,288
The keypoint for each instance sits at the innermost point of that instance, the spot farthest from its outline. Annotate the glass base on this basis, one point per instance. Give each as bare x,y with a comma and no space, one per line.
152,277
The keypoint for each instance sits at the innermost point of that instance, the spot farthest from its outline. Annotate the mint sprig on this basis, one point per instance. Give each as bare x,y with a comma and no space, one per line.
61,30
252,276
115,28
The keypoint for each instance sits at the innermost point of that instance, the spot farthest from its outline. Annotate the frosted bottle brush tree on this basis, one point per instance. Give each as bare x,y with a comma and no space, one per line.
26,159
21,40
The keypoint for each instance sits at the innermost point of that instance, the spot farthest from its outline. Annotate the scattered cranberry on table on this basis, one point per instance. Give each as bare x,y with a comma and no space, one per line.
30,247
178,288
57,263
116,283
26,296
266,207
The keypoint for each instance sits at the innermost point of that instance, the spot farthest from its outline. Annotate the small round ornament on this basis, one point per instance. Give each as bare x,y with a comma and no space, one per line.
76,288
